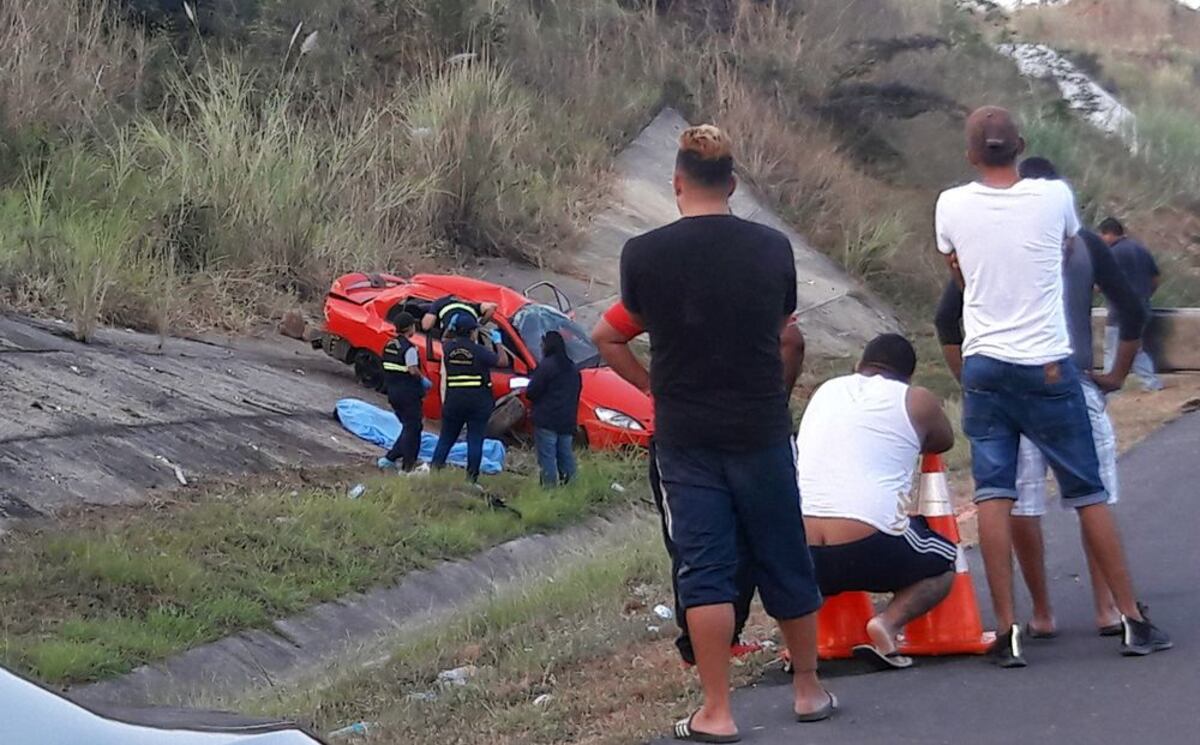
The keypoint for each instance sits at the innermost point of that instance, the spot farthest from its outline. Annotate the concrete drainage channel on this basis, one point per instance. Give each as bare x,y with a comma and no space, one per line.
354,632
111,421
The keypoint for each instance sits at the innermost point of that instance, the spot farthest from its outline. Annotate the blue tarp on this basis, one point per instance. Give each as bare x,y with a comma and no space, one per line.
381,427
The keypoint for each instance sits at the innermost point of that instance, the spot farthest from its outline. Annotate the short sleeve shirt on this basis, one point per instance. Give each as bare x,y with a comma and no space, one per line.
1009,244
713,293
1140,269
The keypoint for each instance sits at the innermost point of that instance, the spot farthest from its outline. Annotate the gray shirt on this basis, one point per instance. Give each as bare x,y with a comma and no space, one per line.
1140,269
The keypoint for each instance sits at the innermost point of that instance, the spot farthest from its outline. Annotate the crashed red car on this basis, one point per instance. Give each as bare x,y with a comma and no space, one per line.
612,413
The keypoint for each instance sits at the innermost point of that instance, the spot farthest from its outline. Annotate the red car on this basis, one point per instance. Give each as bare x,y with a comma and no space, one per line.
612,413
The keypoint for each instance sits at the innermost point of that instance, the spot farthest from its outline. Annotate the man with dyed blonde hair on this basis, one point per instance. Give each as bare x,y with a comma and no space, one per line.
722,428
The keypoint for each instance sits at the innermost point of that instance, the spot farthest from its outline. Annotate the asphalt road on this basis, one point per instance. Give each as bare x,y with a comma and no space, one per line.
1077,689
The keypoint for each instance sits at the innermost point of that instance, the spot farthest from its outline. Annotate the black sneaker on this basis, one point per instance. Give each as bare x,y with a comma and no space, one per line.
1142,637
1007,650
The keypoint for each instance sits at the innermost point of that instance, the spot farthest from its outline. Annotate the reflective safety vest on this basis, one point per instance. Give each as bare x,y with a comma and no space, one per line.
463,370
453,307
395,371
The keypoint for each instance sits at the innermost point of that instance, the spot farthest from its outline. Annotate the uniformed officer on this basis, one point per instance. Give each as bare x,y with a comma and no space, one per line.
443,312
405,391
466,391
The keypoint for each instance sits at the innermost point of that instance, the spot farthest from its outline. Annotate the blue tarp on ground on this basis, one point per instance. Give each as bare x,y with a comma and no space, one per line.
381,427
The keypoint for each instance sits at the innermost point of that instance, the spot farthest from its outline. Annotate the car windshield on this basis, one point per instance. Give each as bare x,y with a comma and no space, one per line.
533,321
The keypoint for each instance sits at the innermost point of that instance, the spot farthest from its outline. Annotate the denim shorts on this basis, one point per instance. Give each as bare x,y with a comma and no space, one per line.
1031,468
724,506
1045,403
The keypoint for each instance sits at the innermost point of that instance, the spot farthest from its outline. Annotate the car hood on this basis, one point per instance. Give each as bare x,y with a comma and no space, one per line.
603,387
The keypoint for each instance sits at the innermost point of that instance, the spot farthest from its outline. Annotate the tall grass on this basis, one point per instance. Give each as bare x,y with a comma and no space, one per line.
1169,140
64,62
475,139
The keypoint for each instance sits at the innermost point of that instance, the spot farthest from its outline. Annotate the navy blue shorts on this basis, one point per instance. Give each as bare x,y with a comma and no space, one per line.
1002,401
713,497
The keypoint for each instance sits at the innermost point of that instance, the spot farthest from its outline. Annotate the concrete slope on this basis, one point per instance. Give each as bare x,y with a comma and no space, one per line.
104,422
838,314
1077,689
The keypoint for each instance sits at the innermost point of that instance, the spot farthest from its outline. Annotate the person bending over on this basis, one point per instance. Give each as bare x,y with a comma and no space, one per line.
444,310
858,448
1142,273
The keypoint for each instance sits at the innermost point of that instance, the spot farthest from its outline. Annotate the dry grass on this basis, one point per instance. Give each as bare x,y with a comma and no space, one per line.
264,172
65,62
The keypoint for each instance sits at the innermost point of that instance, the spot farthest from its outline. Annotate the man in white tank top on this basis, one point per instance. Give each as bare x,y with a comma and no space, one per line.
858,447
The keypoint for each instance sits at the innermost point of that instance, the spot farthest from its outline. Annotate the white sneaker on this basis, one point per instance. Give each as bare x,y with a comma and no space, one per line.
422,469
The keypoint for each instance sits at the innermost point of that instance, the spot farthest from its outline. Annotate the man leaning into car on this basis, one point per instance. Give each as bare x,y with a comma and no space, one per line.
443,312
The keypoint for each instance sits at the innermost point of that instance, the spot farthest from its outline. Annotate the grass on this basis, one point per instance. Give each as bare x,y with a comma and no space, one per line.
572,656
256,172
98,596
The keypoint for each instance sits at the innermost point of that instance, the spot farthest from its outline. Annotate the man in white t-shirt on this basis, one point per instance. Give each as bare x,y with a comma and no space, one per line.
856,456
1003,238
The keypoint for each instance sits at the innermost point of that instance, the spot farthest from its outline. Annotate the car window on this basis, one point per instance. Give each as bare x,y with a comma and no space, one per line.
534,320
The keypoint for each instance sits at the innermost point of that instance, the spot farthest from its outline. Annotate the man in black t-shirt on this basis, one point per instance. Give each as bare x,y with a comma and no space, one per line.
714,293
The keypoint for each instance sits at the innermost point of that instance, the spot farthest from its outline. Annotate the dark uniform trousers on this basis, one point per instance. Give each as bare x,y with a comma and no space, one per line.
468,403
405,393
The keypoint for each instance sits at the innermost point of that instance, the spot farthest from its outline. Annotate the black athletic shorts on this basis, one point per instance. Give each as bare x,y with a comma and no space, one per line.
883,562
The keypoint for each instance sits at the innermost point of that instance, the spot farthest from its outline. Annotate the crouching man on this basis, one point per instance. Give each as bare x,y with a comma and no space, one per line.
858,446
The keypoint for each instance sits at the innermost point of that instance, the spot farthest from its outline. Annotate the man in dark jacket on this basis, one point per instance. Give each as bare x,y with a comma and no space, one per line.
554,391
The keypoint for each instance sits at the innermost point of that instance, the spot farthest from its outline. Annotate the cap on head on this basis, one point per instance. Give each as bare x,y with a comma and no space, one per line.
463,323
705,156
993,137
403,321
890,353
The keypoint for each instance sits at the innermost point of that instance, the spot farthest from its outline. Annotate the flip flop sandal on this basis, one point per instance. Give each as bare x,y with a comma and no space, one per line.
1032,634
880,660
821,714
1115,629
683,731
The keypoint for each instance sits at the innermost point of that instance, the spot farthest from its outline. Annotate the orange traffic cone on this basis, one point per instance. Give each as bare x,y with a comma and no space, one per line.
842,624
954,625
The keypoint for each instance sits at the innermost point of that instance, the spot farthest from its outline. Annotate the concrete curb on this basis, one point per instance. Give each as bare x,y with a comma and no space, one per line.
355,630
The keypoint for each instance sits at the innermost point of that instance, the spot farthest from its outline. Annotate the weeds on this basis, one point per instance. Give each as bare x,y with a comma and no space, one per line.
868,246
1169,140
97,600
576,640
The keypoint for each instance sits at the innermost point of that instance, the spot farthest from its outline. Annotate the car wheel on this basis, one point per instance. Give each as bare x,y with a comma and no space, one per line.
368,370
